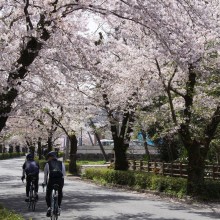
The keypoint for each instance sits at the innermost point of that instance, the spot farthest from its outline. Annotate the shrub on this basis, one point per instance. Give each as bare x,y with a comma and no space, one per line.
5,156
142,181
43,162
60,154
138,180
212,190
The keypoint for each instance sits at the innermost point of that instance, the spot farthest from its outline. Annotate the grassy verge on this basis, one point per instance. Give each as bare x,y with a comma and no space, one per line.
6,214
170,186
79,163
85,162
5,156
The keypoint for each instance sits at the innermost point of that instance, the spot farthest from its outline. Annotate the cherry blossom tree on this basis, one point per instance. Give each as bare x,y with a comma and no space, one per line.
181,36
145,49
27,26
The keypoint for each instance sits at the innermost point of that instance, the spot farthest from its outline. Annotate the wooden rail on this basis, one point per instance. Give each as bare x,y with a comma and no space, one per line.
173,169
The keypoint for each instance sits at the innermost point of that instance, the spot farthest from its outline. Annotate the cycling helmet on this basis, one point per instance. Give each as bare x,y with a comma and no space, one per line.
30,157
52,154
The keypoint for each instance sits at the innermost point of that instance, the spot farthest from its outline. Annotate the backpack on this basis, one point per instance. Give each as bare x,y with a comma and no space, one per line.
31,167
55,167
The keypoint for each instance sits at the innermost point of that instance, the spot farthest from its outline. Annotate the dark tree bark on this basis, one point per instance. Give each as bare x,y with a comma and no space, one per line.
197,152
27,56
39,149
51,132
145,144
98,139
49,143
120,148
197,148
195,182
121,137
73,150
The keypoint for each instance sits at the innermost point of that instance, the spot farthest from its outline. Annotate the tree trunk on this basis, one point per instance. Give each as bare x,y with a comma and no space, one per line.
39,149
195,182
9,94
121,162
49,144
145,144
73,150
98,139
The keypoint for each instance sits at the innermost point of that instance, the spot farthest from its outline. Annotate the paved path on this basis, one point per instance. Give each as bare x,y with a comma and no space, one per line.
85,201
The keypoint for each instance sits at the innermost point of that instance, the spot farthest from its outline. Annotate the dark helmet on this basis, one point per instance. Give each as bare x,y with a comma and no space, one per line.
30,157
52,154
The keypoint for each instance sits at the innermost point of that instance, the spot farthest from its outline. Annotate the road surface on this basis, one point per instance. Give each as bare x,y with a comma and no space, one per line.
86,201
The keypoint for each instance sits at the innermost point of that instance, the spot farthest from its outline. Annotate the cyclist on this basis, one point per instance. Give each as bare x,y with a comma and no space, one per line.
55,169
30,169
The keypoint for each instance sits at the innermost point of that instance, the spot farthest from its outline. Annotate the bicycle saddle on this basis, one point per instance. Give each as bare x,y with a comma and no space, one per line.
56,186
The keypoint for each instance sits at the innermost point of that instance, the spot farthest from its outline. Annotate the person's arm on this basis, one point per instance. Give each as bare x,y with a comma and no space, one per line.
23,170
63,170
46,172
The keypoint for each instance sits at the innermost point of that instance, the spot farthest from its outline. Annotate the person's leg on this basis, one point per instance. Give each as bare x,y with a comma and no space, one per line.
28,184
36,183
48,194
48,198
60,192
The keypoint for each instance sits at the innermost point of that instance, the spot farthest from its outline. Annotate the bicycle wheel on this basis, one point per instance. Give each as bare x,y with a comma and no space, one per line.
54,217
33,205
32,201
30,198
54,205
29,204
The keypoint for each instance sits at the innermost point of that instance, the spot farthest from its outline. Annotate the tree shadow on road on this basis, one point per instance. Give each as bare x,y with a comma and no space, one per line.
78,203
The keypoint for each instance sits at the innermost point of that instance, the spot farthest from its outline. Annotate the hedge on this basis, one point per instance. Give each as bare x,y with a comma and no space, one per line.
172,186
5,156
43,162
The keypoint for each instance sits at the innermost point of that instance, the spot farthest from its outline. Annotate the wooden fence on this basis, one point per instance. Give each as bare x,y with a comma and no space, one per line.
173,169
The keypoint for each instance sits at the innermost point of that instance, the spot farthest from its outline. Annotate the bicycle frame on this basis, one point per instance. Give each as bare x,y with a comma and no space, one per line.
54,202
32,200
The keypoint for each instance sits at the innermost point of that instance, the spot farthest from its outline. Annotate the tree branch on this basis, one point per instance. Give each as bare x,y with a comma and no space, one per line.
28,20
212,126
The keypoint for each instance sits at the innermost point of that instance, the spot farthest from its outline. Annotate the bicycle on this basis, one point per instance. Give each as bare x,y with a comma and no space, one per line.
32,199
54,203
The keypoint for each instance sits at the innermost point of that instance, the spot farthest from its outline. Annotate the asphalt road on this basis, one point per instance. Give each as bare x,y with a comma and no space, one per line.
86,201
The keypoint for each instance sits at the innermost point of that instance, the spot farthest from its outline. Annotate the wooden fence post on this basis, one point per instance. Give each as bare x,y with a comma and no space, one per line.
141,165
181,169
213,171
163,168
134,165
155,165
171,168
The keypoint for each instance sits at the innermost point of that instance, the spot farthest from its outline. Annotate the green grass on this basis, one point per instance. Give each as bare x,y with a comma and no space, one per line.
85,162
78,162
6,214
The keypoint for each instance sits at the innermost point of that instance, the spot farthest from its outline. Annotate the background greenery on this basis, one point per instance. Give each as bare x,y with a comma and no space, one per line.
171,186
5,156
